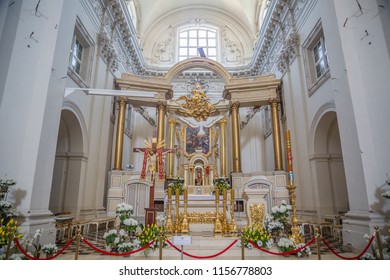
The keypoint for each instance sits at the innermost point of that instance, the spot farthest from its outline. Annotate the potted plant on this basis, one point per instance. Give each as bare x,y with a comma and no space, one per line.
286,245
124,211
49,249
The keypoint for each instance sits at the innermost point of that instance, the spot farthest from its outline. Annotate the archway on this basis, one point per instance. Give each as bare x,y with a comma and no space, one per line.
329,167
68,166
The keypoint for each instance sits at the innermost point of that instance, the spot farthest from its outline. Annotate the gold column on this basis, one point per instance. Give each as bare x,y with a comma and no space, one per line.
184,224
120,133
171,156
161,121
217,223
222,124
236,138
232,226
177,216
276,134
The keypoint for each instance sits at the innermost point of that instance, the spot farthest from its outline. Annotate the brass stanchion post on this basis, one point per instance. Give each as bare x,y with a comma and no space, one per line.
184,224
379,242
169,226
177,218
318,237
233,226
76,255
242,245
160,245
217,223
7,252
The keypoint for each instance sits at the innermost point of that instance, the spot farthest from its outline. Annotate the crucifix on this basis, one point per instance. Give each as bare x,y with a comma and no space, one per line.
154,153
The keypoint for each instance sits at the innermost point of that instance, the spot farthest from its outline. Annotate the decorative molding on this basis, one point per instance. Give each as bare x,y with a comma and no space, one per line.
107,51
288,52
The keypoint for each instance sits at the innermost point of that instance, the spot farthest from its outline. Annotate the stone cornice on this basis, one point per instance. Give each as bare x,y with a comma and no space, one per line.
271,52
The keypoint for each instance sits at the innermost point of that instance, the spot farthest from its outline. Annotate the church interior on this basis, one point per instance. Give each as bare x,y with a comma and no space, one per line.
204,116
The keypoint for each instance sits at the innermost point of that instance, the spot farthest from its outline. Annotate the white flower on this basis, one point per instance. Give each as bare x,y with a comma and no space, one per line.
130,222
275,209
283,202
283,208
38,234
49,248
289,207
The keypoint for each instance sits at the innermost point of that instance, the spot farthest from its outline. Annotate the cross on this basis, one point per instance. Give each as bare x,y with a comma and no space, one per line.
153,157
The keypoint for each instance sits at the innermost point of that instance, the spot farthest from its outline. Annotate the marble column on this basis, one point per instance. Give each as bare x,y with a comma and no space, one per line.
276,134
122,101
222,124
236,138
171,156
161,106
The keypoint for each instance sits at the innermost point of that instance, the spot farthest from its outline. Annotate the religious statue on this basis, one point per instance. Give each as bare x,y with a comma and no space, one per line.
199,177
154,155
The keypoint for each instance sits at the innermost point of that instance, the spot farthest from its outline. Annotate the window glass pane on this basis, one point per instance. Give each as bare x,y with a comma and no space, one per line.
193,51
202,33
193,33
183,42
193,43
202,42
212,42
212,52
183,51
184,34
211,34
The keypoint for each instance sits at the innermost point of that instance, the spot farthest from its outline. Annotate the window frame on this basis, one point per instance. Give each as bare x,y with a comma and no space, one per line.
315,38
82,76
195,42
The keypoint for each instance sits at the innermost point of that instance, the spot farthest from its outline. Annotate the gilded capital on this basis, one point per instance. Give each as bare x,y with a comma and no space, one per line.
274,101
235,105
122,100
161,105
223,122
172,121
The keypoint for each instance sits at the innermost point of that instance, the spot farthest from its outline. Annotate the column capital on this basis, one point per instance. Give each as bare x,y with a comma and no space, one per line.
235,105
172,121
274,101
121,100
161,105
223,122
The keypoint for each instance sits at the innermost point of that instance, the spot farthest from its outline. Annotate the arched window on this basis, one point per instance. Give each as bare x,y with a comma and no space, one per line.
191,39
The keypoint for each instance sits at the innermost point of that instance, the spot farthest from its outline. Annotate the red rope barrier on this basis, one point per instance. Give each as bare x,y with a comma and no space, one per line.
352,258
118,254
34,258
284,253
203,257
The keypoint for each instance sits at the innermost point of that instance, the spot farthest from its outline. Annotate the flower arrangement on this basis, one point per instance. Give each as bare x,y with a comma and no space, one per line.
130,225
7,229
221,184
386,194
281,213
5,182
150,233
124,211
112,239
7,211
177,184
271,225
258,235
286,244
128,246
49,249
